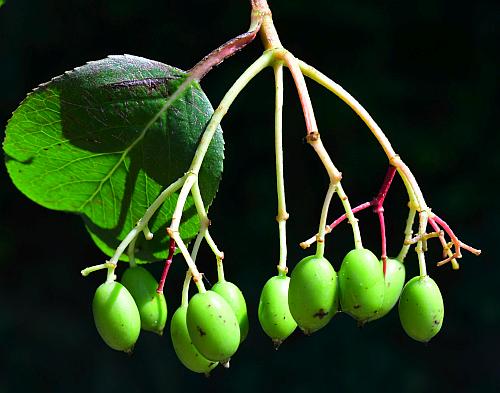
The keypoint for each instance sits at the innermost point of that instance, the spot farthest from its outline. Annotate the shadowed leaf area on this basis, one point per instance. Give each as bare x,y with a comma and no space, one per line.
80,143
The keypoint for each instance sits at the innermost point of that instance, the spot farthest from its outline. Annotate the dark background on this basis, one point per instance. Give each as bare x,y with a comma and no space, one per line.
426,70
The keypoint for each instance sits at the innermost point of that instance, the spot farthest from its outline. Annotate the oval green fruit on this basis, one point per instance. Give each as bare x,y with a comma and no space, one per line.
232,294
213,326
313,293
116,316
421,308
394,281
152,305
183,346
274,314
362,285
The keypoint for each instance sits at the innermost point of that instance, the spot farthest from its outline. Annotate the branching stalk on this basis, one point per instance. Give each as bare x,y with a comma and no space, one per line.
313,138
141,224
262,62
411,184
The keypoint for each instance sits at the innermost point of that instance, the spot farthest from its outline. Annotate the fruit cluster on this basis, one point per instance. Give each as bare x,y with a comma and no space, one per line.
315,293
207,329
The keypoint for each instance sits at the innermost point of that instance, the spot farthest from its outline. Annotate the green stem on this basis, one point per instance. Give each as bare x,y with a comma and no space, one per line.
408,234
91,269
320,240
423,217
131,253
111,276
185,289
197,277
280,180
350,216
197,244
140,226
204,223
218,253
262,62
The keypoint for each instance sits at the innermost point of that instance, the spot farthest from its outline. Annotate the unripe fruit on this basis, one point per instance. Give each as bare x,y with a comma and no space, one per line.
116,316
421,308
394,282
232,294
274,314
213,326
313,293
362,285
152,306
183,346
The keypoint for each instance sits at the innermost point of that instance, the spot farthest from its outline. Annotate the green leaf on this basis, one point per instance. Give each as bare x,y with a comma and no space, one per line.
77,144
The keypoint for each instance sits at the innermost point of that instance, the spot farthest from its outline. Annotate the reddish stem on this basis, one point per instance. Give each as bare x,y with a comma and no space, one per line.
380,213
344,216
441,237
450,233
168,262
224,51
378,208
304,98
389,177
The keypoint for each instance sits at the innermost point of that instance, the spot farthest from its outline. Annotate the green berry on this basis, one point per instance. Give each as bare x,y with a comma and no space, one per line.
213,326
362,285
313,293
274,314
421,308
183,346
116,316
152,306
394,282
232,294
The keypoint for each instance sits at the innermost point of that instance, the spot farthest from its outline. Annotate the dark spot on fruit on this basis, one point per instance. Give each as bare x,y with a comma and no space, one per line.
436,322
209,305
201,331
356,306
284,317
320,314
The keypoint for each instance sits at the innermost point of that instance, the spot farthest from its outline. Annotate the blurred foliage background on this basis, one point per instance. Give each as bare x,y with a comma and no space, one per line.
426,70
